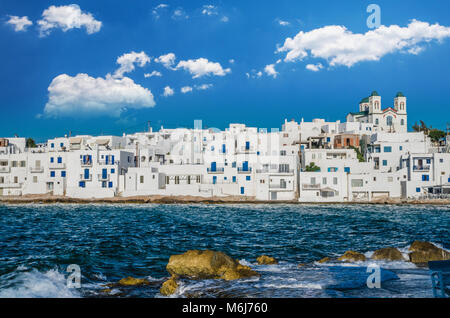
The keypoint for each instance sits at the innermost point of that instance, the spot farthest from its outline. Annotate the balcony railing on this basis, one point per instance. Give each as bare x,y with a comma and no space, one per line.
10,185
56,165
36,169
242,170
422,168
5,169
85,178
308,186
282,186
216,170
86,163
275,171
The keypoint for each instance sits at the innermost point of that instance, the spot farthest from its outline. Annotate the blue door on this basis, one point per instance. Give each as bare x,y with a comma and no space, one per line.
214,180
106,159
247,145
213,166
112,159
242,190
86,174
104,173
224,148
245,166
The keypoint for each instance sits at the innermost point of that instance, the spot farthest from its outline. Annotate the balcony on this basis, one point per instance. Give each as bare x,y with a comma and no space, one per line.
10,185
245,150
83,177
279,186
242,170
5,169
216,170
102,177
276,171
57,165
86,163
308,186
36,169
421,168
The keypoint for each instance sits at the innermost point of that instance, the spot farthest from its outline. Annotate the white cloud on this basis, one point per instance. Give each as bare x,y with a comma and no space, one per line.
231,61
186,89
270,70
19,23
225,19
168,60
127,61
201,67
314,67
161,5
168,91
209,9
158,8
66,18
416,50
254,74
154,73
179,14
283,23
203,87
86,95
340,46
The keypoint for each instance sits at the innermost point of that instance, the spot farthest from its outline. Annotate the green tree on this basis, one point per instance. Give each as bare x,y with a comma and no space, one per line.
312,167
30,143
359,154
436,135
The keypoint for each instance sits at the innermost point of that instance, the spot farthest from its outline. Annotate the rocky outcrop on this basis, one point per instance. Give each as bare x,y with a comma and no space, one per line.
195,264
423,252
131,281
388,254
324,260
169,286
352,256
266,260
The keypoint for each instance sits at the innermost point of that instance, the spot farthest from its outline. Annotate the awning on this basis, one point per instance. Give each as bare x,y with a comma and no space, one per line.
75,140
102,142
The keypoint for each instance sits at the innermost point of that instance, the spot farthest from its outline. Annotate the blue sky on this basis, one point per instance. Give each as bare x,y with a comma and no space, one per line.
236,40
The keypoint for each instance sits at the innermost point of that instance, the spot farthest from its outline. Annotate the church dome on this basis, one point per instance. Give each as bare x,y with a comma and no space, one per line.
364,100
399,94
374,93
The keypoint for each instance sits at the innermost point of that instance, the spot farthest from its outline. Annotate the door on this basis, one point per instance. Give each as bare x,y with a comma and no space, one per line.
86,174
1,191
245,166
273,195
214,180
104,173
213,166
242,190
247,145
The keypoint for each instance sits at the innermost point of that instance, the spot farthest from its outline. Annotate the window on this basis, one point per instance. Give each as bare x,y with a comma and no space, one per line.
177,180
52,159
324,180
388,149
233,165
113,170
417,190
401,148
52,174
198,179
377,121
357,183
82,184
402,122
61,145
385,163
347,169
390,179
247,178
63,174
103,184
428,161
59,160
52,145
425,177
389,120
110,184
242,190
234,179
141,179
16,179
35,179
335,181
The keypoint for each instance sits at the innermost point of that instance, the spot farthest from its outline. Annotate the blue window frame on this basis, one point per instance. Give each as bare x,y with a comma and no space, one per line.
388,149
448,180
385,162
224,148
417,190
425,177
214,179
233,165
212,148
328,139
113,170
225,178
52,174
428,161
59,160
234,178
82,184
401,148
247,178
110,184
52,145
86,173
61,145
347,169
103,184
257,153
52,159
247,145
242,190
63,174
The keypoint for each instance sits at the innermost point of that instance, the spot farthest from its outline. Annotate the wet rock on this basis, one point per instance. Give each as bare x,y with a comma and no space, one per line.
423,252
131,281
352,256
169,286
388,254
301,265
324,260
266,260
195,264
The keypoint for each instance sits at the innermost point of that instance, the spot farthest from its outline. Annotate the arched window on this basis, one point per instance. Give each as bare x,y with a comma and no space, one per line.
377,122
402,122
402,106
377,105
389,120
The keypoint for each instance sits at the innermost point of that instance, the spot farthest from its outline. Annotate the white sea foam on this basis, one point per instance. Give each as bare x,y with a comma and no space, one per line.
34,284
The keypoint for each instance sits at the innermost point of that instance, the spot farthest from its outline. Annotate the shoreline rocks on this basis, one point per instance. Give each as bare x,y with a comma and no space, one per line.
352,256
423,252
131,281
169,286
207,264
388,254
324,260
266,260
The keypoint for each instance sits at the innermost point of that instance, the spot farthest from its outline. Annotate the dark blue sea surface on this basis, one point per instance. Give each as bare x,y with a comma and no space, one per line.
110,242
